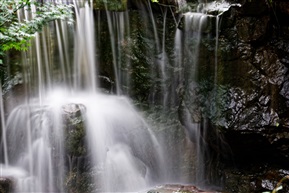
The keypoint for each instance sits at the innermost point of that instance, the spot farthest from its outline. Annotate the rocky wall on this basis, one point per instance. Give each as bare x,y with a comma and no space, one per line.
253,77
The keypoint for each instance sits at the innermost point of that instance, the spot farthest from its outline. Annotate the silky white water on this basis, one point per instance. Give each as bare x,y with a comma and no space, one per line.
120,143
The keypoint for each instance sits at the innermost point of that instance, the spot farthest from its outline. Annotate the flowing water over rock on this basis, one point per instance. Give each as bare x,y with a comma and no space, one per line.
68,123
66,127
124,153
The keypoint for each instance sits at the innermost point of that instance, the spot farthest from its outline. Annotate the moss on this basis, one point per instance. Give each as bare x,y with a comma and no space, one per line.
75,137
74,130
112,5
79,182
75,141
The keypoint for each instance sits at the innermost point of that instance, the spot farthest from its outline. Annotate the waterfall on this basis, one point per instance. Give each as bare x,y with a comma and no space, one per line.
31,126
85,62
194,28
3,128
117,34
187,51
122,150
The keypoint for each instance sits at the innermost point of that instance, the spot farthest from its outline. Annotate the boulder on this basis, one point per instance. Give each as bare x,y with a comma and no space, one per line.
174,188
6,185
79,173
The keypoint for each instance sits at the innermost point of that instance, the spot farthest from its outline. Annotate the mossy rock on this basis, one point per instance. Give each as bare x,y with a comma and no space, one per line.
74,129
80,182
111,5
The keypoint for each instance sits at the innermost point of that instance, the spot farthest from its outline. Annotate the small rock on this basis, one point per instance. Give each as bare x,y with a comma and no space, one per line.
177,188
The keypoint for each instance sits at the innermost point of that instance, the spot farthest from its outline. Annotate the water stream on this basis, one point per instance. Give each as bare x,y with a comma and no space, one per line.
61,76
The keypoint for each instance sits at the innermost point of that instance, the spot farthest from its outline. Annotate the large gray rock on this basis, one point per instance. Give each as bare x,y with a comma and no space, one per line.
171,188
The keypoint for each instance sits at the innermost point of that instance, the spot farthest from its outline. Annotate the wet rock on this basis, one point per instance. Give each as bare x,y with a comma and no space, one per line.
252,29
80,182
247,103
74,129
285,91
111,5
141,4
229,18
257,179
79,168
282,50
283,6
266,145
6,185
106,83
254,7
263,60
205,23
177,188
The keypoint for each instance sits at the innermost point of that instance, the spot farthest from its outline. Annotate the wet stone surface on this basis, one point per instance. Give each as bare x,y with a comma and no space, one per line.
176,188
259,179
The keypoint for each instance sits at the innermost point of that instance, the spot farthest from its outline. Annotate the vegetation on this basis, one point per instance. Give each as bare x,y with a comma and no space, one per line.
15,32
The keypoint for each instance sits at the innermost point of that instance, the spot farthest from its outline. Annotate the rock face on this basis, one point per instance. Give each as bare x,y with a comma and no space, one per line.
243,93
113,5
252,82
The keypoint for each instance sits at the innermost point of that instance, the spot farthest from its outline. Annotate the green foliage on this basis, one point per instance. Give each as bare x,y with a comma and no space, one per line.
15,33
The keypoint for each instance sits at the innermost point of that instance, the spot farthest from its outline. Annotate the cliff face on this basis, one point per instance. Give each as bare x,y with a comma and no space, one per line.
253,64
242,89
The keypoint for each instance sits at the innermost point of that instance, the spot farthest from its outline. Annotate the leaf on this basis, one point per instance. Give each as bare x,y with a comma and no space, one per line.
15,35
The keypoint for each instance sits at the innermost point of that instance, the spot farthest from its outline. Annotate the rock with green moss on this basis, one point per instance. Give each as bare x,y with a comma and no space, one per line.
74,129
78,177
111,5
80,182
178,188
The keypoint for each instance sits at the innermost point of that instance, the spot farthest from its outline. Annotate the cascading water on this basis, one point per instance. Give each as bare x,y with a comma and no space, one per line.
84,54
122,151
125,153
187,44
195,28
